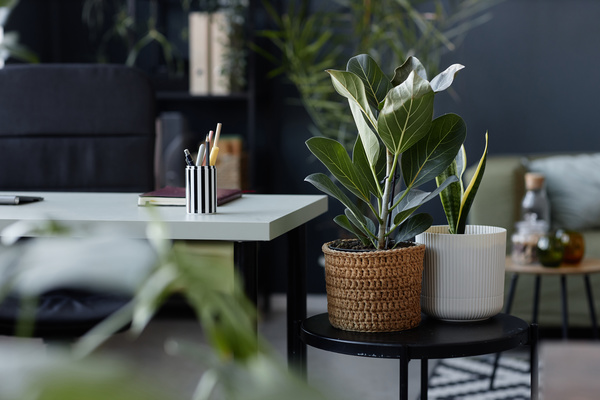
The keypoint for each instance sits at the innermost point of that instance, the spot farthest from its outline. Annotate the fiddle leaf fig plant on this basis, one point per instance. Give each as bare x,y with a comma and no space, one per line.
457,200
396,132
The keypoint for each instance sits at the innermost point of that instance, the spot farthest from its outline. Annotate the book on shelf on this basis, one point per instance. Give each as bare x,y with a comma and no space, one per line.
209,43
175,196
199,42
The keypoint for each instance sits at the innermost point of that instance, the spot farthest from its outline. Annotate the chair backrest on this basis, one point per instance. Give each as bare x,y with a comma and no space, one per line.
76,127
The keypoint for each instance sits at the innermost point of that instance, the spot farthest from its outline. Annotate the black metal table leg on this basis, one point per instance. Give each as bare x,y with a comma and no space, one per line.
536,299
424,378
590,297
404,374
511,294
565,311
296,298
245,259
533,360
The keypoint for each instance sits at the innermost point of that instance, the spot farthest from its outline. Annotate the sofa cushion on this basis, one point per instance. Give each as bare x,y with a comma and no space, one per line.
573,186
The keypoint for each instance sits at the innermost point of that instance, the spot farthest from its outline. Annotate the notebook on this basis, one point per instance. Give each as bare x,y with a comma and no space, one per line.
175,196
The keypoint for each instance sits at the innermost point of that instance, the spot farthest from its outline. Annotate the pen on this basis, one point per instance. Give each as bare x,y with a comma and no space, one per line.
200,156
215,150
188,158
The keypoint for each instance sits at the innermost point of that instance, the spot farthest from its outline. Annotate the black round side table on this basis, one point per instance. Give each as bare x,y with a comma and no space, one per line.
430,340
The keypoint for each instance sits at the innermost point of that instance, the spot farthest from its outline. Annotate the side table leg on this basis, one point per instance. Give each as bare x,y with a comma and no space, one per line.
404,374
565,311
533,360
536,299
511,292
424,378
296,298
509,301
588,290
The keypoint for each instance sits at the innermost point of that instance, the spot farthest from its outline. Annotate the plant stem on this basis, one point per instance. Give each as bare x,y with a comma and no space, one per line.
391,160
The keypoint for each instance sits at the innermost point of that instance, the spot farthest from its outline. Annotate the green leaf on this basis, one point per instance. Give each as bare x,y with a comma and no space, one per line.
367,227
343,221
402,72
351,86
369,140
406,114
324,184
359,159
444,80
471,190
433,154
416,224
416,198
452,195
333,155
377,84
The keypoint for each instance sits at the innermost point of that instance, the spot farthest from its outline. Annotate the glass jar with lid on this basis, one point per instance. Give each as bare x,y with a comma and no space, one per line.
525,239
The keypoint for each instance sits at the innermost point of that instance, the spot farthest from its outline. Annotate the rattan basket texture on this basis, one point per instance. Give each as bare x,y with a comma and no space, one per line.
374,291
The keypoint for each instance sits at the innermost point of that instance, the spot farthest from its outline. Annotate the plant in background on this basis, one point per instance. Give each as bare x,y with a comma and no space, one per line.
311,40
129,31
457,200
396,130
9,41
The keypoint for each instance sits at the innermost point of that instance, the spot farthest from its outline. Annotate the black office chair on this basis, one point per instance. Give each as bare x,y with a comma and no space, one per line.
74,127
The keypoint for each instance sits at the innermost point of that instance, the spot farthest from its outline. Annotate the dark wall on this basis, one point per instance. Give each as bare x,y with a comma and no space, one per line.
531,78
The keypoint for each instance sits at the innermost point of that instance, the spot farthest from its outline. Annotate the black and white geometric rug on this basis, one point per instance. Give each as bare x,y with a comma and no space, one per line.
469,379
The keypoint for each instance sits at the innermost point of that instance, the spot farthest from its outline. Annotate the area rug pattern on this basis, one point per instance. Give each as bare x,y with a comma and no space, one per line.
469,379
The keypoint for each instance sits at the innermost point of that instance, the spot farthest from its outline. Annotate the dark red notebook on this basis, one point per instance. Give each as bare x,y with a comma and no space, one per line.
175,196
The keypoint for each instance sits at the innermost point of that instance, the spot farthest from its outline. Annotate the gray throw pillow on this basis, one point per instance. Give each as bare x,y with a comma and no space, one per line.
573,187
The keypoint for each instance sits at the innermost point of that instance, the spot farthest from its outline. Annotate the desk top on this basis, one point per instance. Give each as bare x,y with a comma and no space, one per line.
586,266
252,217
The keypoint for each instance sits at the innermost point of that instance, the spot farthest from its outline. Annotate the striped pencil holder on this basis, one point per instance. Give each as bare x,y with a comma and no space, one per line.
201,189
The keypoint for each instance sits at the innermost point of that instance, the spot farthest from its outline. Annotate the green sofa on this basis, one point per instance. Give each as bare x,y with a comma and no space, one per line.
569,186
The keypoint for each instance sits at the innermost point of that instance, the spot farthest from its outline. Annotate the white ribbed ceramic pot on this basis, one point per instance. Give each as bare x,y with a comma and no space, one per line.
463,276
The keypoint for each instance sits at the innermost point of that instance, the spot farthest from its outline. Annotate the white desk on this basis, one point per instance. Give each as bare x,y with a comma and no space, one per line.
252,217
245,221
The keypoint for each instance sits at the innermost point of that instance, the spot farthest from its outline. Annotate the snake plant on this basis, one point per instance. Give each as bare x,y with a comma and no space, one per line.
396,131
457,200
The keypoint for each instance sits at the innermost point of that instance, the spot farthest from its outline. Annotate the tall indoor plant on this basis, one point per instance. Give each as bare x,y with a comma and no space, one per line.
396,130
463,278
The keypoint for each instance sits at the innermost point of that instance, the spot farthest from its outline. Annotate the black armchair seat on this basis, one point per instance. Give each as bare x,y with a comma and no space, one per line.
62,313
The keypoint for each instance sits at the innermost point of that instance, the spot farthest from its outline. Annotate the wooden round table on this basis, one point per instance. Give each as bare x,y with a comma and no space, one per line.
585,268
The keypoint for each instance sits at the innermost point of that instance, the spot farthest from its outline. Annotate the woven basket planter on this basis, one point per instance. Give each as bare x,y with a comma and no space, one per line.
374,291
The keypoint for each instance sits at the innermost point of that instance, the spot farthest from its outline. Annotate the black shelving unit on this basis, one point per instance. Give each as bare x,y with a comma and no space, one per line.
238,109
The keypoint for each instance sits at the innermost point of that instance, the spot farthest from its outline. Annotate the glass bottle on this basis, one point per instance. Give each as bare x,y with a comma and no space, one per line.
535,205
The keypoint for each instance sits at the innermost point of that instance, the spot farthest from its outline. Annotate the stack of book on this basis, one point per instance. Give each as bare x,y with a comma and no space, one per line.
209,43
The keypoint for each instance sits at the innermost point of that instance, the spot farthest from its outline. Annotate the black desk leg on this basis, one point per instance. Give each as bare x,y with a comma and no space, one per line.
533,360
508,307
424,378
245,259
404,374
296,298
588,290
565,311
